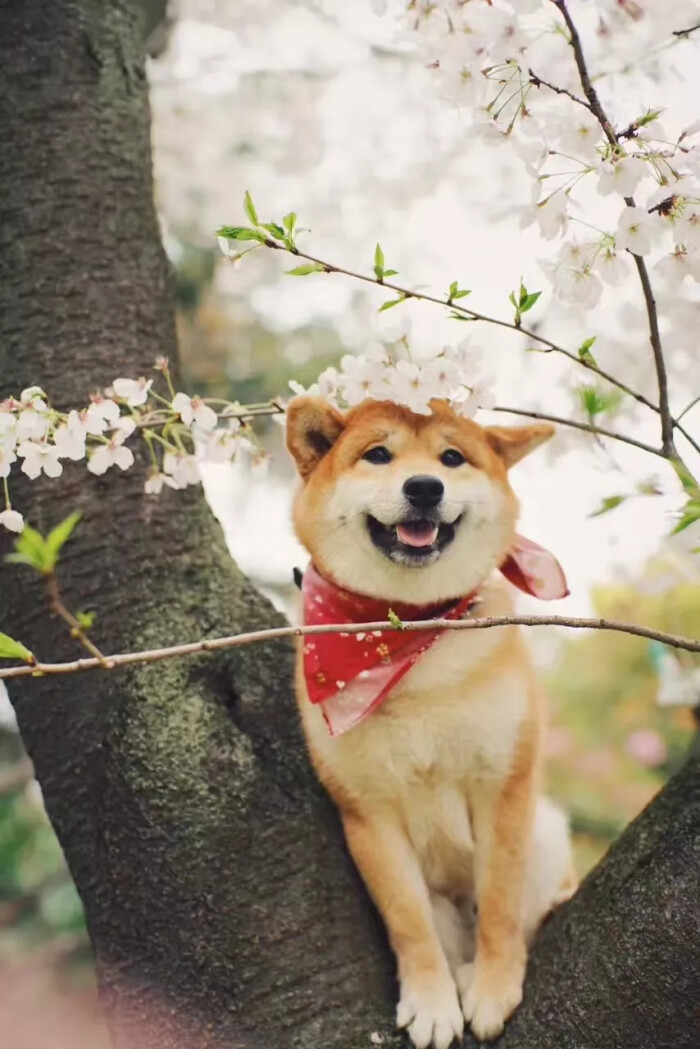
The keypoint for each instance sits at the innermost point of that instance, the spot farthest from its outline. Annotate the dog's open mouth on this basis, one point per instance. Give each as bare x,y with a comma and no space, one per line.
416,541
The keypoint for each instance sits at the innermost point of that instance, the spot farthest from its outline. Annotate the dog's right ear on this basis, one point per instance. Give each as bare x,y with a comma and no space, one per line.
313,427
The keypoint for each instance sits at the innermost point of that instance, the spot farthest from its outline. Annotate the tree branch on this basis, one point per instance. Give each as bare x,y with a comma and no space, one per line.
407,293
192,648
667,421
688,407
537,81
597,431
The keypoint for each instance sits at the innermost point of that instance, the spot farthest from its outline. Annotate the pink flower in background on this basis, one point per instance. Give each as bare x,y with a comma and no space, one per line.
647,747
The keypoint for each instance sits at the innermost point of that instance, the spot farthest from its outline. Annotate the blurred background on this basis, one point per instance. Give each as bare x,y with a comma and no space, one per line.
325,109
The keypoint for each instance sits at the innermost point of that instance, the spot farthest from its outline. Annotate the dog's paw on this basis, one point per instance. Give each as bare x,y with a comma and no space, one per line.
488,1002
430,1012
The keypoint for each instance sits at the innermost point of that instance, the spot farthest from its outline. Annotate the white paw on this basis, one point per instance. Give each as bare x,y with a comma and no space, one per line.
430,1012
487,1009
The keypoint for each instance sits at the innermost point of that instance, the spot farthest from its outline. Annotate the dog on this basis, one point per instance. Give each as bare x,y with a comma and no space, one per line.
435,762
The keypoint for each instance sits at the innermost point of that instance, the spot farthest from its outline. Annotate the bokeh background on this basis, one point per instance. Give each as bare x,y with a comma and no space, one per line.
325,109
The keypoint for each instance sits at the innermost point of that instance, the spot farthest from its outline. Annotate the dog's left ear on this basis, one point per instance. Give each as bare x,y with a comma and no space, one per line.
513,443
313,427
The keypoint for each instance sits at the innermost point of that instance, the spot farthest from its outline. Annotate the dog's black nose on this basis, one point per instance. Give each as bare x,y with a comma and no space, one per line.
423,491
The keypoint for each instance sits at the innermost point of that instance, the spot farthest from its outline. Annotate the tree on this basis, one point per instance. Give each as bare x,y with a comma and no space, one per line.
220,901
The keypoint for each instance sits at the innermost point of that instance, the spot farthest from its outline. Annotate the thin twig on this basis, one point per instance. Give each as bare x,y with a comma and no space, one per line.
382,626
685,32
537,81
407,293
597,431
76,631
688,407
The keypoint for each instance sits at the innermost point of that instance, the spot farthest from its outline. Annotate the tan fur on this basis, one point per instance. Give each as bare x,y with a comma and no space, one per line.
438,789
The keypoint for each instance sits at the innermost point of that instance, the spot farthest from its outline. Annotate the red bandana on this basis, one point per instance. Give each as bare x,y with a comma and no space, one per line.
349,675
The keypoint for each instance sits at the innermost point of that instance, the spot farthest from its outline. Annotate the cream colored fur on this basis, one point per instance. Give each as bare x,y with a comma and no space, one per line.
439,788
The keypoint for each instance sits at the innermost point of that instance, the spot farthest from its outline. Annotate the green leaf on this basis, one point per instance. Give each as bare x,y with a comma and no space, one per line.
378,262
529,300
86,619
289,221
691,514
276,231
59,535
650,486
306,268
608,504
11,649
30,549
584,351
592,400
390,273
394,619
511,298
456,292
250,208
391,302
240,233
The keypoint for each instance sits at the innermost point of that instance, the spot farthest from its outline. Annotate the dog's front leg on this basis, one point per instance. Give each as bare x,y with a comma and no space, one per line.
502,815
429,1005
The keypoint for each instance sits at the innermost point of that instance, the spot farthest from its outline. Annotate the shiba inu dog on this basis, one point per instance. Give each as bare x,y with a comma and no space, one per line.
437,777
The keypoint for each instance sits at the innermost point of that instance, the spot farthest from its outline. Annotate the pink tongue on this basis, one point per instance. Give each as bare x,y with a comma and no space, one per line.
417,534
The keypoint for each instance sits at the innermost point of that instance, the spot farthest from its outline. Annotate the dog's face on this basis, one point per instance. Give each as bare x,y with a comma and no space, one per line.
412,508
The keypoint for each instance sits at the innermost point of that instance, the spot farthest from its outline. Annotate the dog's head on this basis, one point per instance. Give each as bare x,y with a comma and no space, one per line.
412,508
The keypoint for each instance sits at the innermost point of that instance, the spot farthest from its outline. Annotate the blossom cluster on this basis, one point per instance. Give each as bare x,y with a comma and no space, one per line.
179,431
510,65
394,374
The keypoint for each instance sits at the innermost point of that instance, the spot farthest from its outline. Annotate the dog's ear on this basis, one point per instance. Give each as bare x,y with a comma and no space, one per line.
313,427
513,443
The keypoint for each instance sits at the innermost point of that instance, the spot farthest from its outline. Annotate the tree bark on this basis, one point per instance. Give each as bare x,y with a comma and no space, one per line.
220,900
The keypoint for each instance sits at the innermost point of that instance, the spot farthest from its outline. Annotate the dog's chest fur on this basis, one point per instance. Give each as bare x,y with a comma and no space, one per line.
452,721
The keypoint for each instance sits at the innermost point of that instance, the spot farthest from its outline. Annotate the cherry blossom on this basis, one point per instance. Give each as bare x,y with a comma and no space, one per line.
133,391
481,395
113,453
686,231
102,415
361,379
182,468
612,266
194,412
70,436
12,520
635,231
221,445
39,458
674,268
552,215
406,387
154,483
620,175
7,458
33,420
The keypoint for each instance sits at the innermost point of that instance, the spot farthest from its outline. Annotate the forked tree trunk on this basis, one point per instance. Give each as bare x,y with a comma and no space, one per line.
220,901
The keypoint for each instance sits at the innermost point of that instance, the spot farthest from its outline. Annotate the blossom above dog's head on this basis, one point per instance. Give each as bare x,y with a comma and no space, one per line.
402,378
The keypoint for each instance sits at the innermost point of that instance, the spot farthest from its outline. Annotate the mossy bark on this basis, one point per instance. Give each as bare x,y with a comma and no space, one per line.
220,900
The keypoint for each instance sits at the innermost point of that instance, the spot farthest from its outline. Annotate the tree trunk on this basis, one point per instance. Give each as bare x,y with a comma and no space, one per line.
220,901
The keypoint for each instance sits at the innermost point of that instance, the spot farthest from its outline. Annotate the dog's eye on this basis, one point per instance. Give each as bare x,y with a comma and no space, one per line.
451,457
377,455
